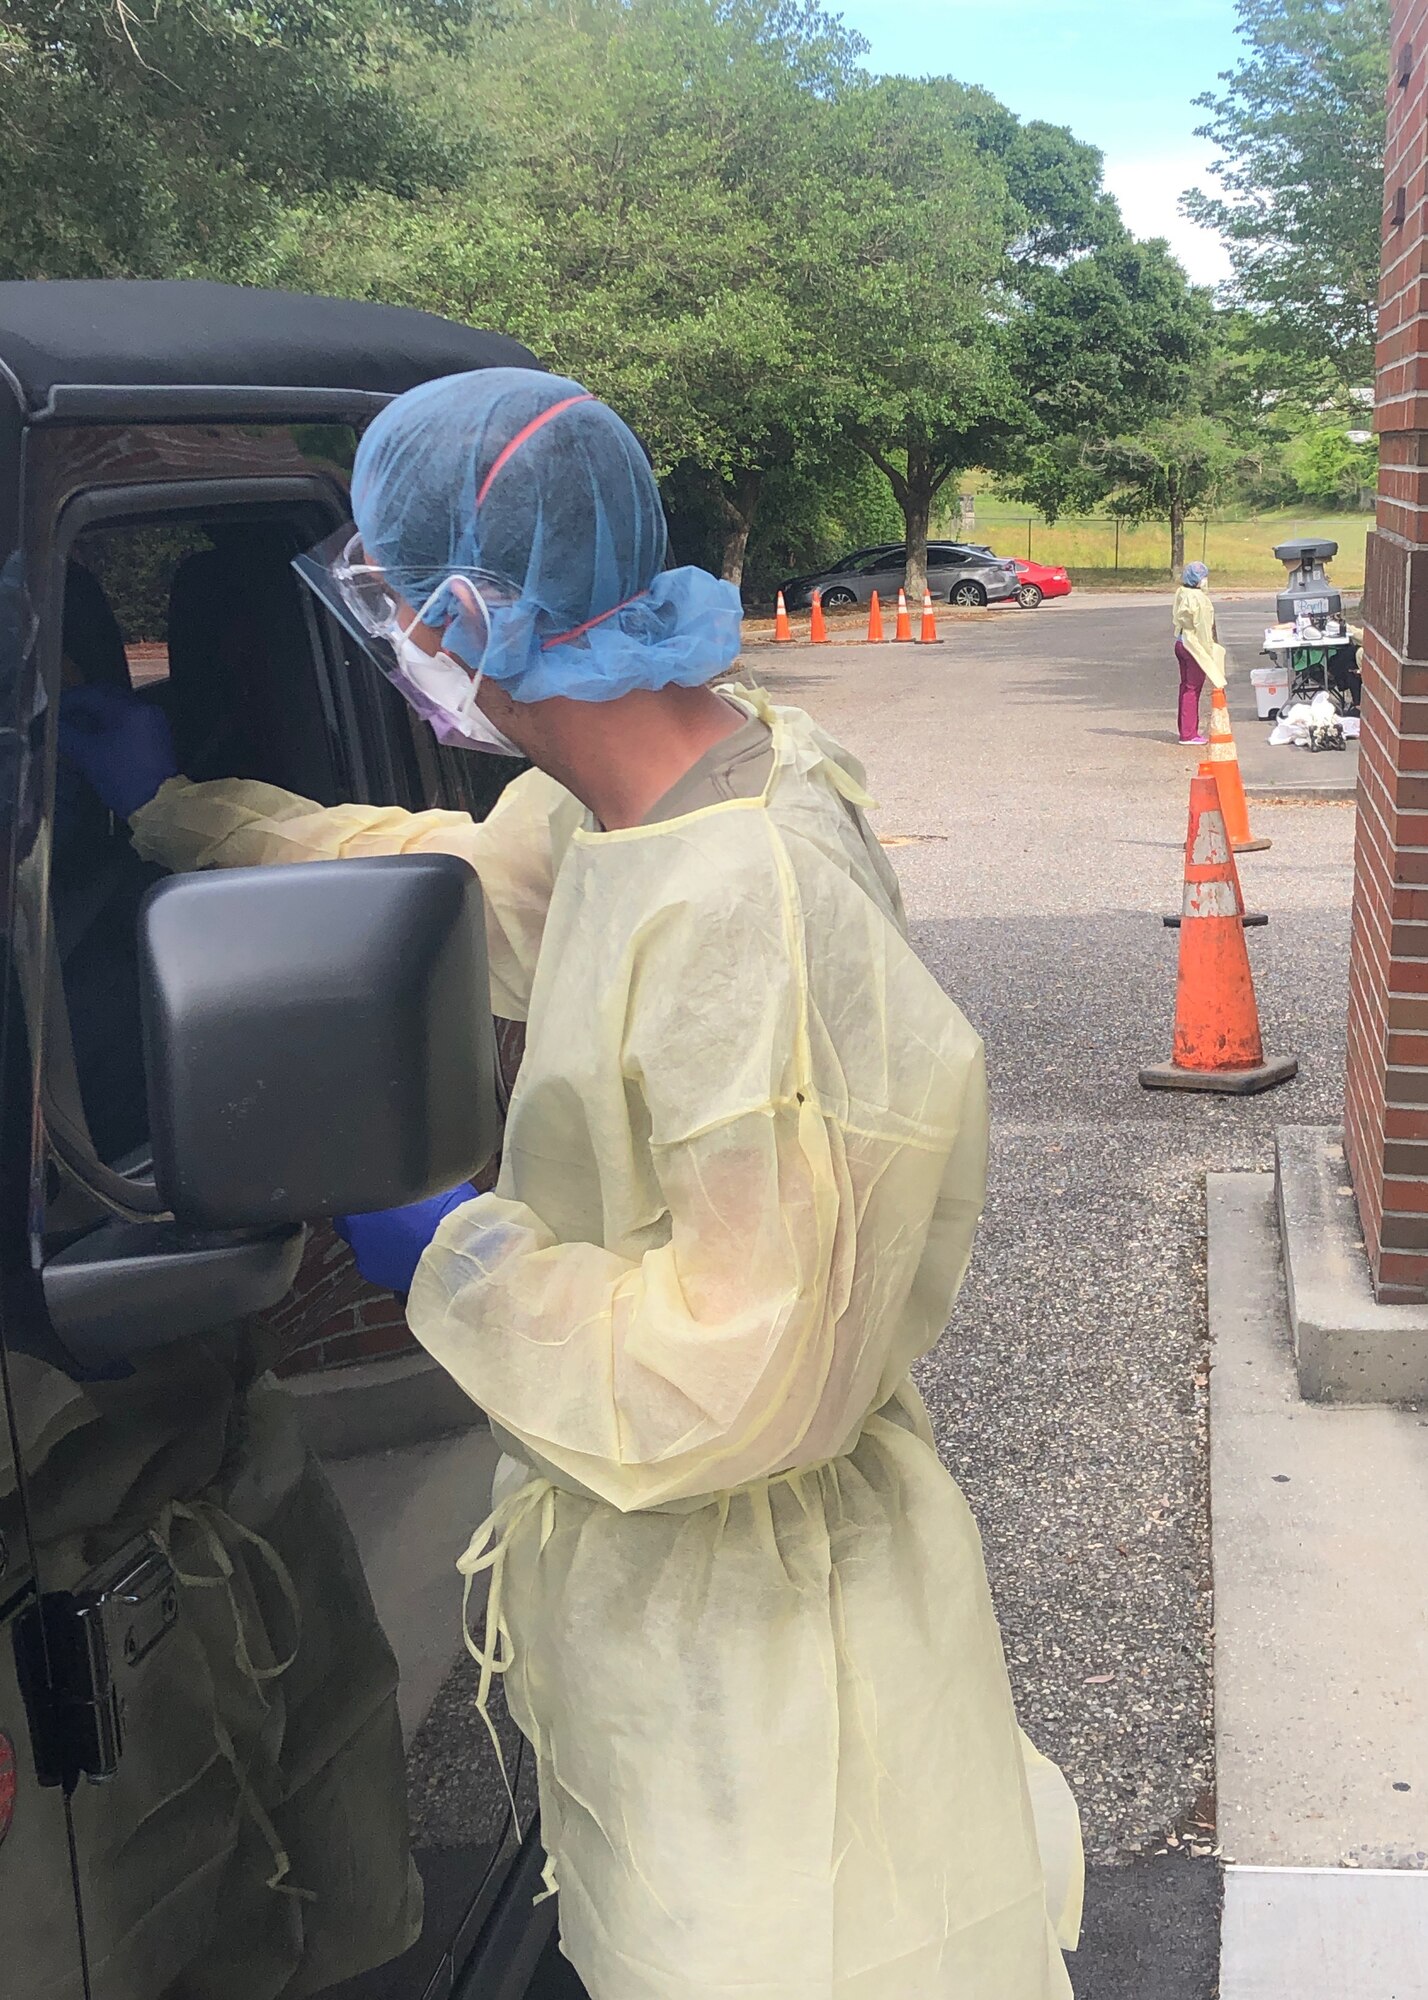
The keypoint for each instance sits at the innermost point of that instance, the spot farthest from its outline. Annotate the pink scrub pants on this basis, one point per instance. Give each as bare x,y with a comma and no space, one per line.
1192,680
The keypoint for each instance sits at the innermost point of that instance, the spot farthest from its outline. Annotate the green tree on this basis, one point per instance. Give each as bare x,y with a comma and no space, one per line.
898,250
1329,465
1107,343
638,158
1173,467
1300,128
167,141
983,305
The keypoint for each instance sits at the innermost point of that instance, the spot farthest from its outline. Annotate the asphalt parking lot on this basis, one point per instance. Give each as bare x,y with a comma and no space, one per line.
1034,801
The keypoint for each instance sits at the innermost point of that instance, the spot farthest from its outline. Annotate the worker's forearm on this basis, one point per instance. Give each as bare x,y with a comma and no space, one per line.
238,823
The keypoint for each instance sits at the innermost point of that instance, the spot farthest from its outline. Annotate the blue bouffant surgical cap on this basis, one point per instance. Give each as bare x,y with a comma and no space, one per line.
539,495
1194,574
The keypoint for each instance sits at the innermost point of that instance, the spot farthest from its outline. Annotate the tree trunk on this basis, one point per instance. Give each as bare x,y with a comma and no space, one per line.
1177,535
916,500
739,503
914,491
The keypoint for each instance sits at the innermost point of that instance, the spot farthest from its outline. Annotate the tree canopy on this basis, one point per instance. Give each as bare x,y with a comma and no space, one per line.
170,141
809,288
1300,132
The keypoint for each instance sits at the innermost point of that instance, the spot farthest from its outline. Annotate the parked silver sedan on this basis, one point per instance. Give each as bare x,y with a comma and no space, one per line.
959,572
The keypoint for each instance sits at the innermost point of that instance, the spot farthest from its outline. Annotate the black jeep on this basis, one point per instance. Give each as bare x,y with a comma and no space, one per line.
239,1757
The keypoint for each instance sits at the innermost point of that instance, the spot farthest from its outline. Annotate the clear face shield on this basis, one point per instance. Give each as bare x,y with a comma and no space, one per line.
441,686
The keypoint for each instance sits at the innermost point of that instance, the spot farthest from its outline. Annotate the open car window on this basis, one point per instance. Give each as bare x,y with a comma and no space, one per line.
205,620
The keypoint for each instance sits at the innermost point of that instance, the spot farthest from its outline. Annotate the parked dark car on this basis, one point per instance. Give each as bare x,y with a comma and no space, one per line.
238,1752
960,572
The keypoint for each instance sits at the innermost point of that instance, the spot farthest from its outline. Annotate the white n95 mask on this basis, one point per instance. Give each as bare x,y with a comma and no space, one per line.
443,693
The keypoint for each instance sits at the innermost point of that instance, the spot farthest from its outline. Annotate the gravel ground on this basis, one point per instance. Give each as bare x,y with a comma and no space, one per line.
1034,802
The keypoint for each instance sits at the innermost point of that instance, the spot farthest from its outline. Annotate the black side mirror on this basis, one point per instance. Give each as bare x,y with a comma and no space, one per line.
318,1039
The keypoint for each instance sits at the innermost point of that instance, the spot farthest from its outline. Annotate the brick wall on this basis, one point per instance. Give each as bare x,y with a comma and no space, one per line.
332,1317
1386,1120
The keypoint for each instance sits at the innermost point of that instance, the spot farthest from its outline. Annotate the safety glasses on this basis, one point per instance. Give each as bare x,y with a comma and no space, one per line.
355,590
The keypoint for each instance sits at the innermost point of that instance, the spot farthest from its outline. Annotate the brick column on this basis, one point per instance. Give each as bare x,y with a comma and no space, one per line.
1386,1121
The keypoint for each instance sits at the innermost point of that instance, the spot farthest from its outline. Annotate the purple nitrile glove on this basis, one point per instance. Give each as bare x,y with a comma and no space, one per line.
121,745
388,1243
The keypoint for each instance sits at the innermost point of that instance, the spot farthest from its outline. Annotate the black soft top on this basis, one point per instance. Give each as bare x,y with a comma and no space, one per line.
187,332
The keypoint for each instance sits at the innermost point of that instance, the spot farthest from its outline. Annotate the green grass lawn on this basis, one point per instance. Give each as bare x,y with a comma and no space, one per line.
1239,552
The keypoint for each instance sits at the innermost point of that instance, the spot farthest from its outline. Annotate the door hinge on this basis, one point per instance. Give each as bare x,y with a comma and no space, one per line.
76,1649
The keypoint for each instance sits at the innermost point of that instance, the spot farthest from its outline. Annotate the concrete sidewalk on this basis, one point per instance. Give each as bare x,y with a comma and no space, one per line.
1281,770
1320,1560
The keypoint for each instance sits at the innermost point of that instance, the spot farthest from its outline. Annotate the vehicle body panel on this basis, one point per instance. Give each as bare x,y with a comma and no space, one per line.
950,565
1049,579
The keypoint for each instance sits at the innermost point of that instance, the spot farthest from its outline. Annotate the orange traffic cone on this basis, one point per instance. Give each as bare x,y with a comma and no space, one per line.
817,630
1217,1045
902,636
783,631
1225,760
1251,919
929,636
875,621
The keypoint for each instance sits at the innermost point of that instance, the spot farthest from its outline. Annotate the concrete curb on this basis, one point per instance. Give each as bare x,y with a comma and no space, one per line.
1319,1551
378,1405
1293,794
1324,1934
1347,1347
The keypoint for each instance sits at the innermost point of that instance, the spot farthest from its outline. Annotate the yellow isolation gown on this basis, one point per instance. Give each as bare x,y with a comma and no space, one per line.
1193,616
740,1604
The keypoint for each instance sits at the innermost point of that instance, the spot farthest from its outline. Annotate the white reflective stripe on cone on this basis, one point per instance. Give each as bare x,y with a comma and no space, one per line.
1210,899
1212,847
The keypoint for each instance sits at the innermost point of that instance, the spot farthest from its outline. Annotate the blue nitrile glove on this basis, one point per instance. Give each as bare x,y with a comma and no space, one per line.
388,1243
122,745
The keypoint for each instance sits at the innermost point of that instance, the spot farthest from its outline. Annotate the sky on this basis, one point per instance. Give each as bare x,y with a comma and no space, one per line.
1121,73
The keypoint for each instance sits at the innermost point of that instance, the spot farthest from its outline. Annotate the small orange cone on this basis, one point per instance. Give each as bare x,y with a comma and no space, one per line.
875,621
1217,1045
783,631
903,634
929,636
817,630
1225,759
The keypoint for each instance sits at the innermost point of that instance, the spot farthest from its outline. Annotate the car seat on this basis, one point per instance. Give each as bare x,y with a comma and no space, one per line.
242,694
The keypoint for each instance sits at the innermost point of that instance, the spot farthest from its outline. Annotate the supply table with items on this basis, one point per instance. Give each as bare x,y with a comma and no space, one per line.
1324,661
1312,693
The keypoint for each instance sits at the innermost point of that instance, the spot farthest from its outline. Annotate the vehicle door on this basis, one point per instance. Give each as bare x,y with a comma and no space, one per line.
35,1869
946,565
996,574
882,571
260,1726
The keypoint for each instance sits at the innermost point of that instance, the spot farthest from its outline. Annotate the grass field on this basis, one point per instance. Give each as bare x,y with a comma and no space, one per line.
1239,552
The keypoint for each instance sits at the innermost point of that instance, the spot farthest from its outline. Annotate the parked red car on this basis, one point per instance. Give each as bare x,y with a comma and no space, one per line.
1037,581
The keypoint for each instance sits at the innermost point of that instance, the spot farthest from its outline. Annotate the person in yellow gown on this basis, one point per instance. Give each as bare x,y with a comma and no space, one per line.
1198,652
739,1603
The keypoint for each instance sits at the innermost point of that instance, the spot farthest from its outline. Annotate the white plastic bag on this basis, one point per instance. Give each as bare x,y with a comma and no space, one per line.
1294,724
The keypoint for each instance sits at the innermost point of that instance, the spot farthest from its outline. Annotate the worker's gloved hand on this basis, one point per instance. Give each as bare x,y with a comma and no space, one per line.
122,745
388,1243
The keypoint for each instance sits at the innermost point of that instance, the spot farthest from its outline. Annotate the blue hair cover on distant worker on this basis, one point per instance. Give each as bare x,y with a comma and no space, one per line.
1194,574
537,492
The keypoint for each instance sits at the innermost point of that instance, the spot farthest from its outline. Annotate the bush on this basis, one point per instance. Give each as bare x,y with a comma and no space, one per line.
1328,467
811,515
